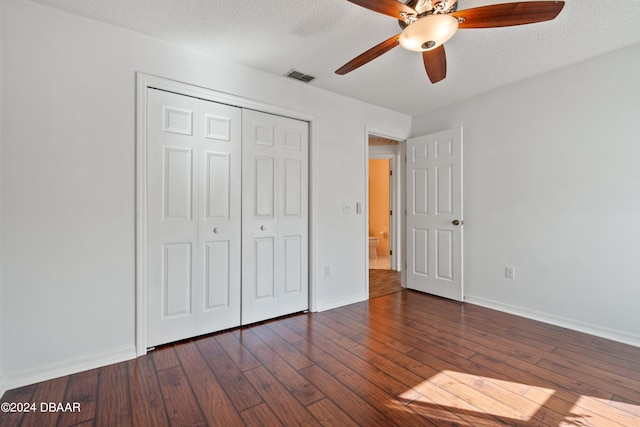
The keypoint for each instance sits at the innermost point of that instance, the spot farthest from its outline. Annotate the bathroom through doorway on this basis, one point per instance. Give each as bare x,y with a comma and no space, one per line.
380,213
384,215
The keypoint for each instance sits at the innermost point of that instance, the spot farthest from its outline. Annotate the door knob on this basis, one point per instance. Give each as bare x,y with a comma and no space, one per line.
457,222
216,230
263,227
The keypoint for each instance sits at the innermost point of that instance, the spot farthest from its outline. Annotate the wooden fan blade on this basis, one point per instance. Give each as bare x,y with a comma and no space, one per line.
369,55
391,8
508,14
435,62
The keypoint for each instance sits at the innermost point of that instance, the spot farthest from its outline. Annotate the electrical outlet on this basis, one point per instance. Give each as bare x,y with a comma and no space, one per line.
346,208
510,272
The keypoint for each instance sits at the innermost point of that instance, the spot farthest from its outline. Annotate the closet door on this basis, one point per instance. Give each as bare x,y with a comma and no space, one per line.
193,217
274,216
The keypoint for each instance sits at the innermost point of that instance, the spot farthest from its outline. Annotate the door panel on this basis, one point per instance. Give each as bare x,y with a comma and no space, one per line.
293,139
176,279
292,255
263,172
264,268
444,254
259,233
217,193
220,215
275,229
177,120
193,217
178,177
420,191
217,128
421,252
434,198
293,213
263,134
217,274
292,193
444,191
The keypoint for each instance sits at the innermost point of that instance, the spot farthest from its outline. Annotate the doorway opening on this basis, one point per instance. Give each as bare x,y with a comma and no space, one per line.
384,215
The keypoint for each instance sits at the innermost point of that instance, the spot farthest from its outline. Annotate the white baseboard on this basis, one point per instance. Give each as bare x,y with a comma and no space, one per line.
60,369
341,302
587,328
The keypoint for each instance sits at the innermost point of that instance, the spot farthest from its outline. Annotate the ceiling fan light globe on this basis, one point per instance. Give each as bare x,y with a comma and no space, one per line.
428,32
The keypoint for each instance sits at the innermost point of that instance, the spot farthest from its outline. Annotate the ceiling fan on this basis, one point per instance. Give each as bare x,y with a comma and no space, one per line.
428,24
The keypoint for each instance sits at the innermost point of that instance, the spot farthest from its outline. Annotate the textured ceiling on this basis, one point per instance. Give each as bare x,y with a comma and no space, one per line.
317,37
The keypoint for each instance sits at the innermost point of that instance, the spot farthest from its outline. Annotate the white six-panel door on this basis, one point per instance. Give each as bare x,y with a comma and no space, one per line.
194,217
434,214
275,212
227,216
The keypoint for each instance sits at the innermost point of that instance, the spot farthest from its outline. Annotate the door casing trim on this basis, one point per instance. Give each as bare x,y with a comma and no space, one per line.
384,133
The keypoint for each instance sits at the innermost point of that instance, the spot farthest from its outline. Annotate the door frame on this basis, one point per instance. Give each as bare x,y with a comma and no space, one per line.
143,83
399,206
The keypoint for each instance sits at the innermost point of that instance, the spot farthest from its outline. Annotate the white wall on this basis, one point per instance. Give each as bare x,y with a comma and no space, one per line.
552,187
68,168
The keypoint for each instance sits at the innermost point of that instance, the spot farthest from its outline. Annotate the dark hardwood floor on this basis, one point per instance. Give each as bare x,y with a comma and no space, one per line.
405,359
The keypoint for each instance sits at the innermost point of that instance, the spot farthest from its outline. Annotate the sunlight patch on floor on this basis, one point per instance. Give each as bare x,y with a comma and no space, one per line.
607,409
473,395
476,400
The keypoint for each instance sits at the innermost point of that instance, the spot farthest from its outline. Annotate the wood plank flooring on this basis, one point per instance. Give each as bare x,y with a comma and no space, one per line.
383,282
405,359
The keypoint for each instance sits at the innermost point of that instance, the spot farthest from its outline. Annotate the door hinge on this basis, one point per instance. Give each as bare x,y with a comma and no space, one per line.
390,213
390,252
390,173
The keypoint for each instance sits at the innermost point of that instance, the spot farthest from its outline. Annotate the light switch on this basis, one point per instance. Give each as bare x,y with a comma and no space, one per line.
510,272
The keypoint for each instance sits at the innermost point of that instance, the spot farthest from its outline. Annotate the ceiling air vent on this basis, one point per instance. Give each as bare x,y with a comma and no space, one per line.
297,75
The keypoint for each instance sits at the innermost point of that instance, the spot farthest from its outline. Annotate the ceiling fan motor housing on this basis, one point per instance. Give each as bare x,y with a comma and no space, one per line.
428,7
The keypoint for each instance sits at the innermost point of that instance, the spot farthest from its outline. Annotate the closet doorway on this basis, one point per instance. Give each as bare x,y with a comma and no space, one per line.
384,216
222,212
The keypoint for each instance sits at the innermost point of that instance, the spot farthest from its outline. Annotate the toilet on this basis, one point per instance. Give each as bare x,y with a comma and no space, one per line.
373,244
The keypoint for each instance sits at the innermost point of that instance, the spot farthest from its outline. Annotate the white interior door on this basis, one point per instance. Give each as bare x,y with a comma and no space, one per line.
275,216
194,217
434,214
